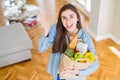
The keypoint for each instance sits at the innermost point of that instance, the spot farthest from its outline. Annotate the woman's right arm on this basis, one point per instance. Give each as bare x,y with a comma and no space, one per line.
48,35
45,41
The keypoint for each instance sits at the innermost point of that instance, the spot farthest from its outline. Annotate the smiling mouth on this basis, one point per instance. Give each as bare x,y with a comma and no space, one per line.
69,26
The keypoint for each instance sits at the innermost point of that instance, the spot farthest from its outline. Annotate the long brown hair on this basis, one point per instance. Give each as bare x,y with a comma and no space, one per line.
60,42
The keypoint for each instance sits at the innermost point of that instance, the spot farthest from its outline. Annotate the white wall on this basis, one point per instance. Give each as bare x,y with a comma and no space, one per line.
116,25
79,6
106,17
105,20
94,17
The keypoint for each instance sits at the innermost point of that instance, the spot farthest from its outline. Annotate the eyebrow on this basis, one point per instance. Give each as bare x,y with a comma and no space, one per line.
69,15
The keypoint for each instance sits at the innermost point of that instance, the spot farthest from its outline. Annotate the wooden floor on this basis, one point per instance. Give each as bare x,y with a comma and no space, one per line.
35,69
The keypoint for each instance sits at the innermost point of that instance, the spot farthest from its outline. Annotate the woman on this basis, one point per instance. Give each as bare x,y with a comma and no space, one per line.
59,34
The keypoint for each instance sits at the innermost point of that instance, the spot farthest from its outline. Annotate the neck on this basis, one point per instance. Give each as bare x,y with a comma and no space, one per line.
74,32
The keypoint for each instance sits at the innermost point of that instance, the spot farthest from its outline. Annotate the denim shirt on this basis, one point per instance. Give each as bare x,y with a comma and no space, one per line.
54,60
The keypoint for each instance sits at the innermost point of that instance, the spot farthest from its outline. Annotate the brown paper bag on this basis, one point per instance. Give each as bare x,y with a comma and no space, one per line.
69,64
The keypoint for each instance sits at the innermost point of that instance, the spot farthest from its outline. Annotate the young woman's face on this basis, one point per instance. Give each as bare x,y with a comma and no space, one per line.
69,20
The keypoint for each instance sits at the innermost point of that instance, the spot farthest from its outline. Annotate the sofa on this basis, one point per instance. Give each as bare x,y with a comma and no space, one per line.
15,44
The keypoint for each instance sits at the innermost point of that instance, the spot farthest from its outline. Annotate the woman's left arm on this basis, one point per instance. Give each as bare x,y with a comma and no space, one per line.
87,39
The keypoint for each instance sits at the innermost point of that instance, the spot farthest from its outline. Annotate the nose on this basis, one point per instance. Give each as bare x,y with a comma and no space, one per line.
68,20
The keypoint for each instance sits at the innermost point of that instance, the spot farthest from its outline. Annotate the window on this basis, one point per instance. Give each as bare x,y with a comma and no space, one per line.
86,4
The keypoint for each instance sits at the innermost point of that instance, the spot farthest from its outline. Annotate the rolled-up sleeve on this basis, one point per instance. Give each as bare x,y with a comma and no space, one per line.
44,42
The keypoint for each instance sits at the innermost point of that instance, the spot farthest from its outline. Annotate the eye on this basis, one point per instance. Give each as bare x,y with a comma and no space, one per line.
63,17
71,16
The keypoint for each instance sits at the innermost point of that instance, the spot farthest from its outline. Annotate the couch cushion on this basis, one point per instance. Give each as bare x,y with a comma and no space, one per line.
15,57
13,38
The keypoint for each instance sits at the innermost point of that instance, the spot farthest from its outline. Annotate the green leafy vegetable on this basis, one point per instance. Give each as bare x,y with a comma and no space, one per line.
69,52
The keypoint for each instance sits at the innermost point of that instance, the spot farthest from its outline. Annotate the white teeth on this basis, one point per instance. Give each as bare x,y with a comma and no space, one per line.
69,26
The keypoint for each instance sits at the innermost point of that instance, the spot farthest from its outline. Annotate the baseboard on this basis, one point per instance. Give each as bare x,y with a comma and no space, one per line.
98,38
117,41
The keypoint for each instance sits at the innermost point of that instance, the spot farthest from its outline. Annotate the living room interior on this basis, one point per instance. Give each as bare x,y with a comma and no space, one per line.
100,18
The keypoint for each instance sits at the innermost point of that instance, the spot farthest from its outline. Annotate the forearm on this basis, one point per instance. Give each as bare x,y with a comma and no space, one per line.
90,69
43,43
47,39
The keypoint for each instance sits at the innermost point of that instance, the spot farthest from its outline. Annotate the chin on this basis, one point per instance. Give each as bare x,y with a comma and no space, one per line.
69,30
